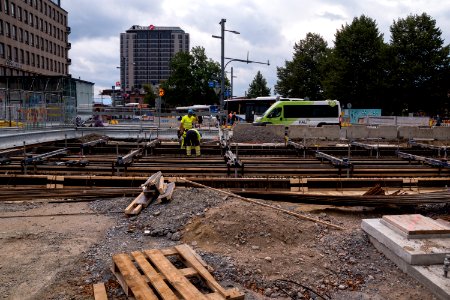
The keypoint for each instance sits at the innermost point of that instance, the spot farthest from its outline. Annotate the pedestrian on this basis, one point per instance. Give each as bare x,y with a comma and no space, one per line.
438,120
233,118
191,139
217,121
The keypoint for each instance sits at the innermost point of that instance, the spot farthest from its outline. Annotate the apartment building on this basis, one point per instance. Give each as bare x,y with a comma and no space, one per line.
33,38
145,53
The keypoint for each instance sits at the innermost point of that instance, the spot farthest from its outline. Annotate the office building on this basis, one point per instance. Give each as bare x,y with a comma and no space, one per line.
33,38
145,53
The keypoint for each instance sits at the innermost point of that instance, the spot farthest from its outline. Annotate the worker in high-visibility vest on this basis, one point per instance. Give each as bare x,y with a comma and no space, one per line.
191,139
188,121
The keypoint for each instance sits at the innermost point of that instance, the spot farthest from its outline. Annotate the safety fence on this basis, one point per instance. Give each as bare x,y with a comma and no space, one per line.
31,110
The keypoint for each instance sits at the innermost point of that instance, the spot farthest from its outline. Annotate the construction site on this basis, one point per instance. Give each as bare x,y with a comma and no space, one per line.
267,212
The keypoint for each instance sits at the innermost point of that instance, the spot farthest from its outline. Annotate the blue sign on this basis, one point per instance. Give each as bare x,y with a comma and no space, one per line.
211,84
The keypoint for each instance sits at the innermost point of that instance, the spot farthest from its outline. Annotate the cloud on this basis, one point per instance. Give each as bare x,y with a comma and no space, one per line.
268,29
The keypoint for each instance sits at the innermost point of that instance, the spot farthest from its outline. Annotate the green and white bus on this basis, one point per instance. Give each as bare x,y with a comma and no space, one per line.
296,111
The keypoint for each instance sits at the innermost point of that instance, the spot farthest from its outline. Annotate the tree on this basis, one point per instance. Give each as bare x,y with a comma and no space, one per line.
302,76
258,87
419,65
354,67
149,97
188,83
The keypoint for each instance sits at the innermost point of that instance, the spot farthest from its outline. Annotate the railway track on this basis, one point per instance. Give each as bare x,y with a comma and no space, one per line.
117,168
255,161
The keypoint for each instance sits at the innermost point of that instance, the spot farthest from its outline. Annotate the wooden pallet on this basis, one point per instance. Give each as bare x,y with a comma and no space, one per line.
100,291
153,274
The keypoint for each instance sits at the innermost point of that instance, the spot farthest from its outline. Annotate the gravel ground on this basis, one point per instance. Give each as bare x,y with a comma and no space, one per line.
265,253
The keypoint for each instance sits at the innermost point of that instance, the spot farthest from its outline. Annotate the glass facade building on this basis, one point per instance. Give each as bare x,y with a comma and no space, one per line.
145,53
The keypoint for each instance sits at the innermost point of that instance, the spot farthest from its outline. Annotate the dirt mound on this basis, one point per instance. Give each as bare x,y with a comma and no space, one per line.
265,253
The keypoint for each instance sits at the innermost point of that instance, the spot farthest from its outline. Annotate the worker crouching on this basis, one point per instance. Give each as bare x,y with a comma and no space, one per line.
191,139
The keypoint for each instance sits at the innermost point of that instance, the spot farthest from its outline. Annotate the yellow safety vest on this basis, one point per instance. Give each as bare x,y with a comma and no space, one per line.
187,121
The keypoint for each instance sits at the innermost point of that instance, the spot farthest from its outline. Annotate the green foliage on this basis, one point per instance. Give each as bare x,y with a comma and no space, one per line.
302,76
188,82
420,64
149,95
258,87
354,67
409,74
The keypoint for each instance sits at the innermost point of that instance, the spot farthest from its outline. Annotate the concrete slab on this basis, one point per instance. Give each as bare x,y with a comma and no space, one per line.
416,226
415,252
430,276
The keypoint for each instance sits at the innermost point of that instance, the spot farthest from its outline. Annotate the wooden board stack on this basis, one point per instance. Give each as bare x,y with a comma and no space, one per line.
153,189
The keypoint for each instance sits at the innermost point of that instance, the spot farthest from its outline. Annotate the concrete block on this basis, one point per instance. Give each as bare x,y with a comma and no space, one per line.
328,132
441,133
430,276
250,133
299,132
357,132
384,132
415,252
416,226
410,132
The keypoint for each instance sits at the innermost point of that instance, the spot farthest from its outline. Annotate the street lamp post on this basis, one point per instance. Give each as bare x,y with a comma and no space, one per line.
231,87
222,59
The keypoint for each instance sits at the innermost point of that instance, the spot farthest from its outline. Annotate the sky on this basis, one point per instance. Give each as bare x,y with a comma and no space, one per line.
268,29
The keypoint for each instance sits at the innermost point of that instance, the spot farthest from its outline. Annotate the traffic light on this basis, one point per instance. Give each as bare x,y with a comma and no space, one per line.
161,92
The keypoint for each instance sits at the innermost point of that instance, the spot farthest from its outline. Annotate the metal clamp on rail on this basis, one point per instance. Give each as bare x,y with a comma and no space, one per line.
337,162
77,163
41,157
296,146
124,161
368,147
233,162
151,145
412,142
93,143
430,161
5,160
365,146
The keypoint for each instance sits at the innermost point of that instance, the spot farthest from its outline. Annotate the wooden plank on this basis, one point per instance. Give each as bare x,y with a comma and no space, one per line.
155,279
100,291
132,279
152,180
416,224
138,204
178,281
192,261
174,251
160,185
167,195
